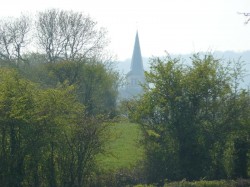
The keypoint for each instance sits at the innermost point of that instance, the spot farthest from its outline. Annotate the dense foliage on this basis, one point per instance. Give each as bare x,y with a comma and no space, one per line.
46,137
195,120
95,85
56,104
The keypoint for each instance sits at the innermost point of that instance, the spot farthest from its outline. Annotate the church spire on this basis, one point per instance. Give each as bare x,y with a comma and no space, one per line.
136,63
135,77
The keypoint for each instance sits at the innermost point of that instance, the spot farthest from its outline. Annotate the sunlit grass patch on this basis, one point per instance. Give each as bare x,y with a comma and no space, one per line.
124,150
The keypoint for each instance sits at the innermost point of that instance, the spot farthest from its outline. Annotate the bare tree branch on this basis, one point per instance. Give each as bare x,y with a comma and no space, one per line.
246,15
14,38
68,35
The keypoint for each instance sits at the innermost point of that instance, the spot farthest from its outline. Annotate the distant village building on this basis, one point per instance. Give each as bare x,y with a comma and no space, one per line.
135,77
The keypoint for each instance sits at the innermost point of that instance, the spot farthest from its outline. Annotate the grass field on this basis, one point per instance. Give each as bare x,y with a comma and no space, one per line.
124,151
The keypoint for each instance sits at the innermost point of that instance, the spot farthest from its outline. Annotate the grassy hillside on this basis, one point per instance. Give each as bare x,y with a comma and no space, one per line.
124,151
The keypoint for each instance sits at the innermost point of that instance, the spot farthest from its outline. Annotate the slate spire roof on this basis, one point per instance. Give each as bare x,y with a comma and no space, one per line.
135,77
136,62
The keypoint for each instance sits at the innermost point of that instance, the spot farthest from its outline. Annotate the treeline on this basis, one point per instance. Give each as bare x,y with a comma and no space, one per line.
56,103
58,95
57,34
195,120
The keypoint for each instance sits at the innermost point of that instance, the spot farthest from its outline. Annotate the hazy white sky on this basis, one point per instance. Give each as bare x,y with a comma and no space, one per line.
175,26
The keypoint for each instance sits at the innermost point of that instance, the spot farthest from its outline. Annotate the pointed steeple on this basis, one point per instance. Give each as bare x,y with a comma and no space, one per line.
136,63
135,77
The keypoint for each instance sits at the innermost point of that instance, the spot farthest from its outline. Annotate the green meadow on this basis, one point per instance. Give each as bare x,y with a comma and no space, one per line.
124,150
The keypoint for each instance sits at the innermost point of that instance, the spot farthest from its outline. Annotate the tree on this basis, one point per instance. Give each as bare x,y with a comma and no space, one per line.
53,116
67,35
187,120
16,108
14,37
89,137
46,139
60,35
96,84
246,15
98,88
157,113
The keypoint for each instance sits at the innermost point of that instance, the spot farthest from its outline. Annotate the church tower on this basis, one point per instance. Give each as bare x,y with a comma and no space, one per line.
135,76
